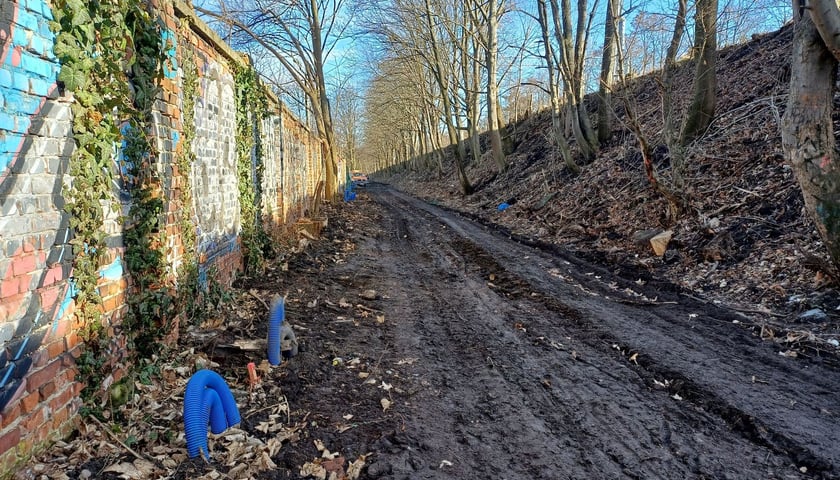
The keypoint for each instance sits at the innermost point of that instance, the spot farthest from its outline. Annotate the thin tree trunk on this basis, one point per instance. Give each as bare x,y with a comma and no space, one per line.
463,181
605,110
556,120
702,108
493,110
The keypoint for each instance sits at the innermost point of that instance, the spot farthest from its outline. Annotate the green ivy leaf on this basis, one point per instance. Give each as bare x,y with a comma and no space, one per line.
73,78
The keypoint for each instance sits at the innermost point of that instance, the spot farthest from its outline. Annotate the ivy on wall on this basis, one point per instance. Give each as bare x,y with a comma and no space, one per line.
111,55
251,108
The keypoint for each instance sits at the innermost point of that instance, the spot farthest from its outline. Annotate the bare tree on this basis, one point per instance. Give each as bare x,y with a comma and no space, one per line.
807,131
572,44
702,109
300,36
610,54
558,135
491,16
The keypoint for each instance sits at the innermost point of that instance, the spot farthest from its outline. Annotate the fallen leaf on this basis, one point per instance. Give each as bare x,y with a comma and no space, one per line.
634,357
314,470
386,386
348,416
355,468
386,404
444,463
363,374
380,319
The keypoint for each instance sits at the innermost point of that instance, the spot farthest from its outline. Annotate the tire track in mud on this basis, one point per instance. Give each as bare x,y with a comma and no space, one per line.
790,409
551,399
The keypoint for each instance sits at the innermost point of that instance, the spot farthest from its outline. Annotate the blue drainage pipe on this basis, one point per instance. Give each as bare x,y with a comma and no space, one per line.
207,400
275,329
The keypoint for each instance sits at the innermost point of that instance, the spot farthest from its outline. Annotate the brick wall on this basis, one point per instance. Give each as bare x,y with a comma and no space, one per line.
38,337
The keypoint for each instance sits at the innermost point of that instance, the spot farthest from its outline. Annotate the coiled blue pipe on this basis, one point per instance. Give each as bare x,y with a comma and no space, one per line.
275,328
207,399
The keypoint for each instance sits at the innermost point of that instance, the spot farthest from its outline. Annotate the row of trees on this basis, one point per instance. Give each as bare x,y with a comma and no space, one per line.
445,61
441,70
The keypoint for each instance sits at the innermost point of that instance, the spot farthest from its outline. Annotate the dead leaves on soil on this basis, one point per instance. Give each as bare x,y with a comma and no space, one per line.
330,466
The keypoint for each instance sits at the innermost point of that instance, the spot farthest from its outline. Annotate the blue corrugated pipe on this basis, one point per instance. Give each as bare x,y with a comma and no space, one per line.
207,399
275,329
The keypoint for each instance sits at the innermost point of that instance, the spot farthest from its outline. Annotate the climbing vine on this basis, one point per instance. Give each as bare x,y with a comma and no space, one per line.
192,294
251,108
110,54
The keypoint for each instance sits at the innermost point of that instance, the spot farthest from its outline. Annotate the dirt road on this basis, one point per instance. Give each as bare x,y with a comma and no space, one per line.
500,360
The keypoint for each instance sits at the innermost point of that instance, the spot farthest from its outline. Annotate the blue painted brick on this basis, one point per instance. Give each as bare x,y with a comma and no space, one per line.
39,87
5,79
35,65
10,142
7,122
19,38
37,44
20,81
29,104
46,11
43,30
27,20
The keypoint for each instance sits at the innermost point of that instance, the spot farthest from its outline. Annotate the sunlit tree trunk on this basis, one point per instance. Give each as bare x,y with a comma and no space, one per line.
493,110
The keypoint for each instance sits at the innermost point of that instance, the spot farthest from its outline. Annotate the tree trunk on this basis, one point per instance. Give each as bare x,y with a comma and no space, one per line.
605,111
702,108
493,120
437,71
556,121
331,183
808,134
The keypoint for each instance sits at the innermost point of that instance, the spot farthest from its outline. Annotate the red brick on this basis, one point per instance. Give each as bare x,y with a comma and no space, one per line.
24,264
10,415
71,340
9,440
47,390
60,416
63,398
50,294
56,348
44,375
39,358
33,421
29,402
9,288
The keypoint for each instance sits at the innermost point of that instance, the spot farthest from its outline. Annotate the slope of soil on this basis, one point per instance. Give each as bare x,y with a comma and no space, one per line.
745,241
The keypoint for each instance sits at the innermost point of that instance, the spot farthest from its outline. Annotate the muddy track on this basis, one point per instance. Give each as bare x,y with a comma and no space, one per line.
535,364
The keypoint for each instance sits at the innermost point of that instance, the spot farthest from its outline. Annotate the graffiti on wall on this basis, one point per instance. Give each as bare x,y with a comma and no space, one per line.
214,175
35,145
